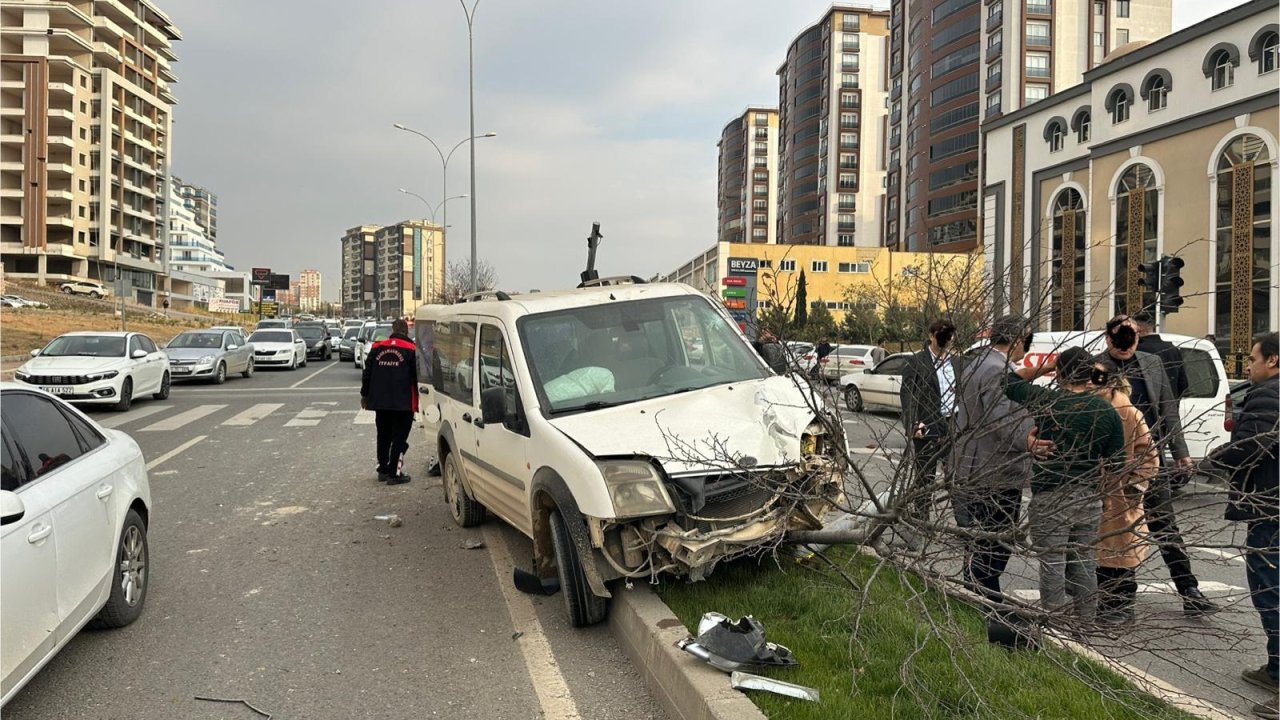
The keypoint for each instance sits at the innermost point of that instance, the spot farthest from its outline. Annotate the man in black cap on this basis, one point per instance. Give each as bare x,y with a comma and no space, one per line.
389,387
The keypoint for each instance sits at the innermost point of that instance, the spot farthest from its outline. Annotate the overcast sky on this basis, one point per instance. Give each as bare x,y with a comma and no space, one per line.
604,111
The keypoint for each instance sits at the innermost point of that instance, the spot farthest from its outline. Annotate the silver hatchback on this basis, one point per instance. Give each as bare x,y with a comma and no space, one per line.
209,355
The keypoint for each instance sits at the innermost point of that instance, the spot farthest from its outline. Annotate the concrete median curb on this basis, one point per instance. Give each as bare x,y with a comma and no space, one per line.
687,688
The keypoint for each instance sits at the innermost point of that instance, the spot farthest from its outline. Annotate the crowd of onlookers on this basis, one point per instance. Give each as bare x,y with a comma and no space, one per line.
1101,448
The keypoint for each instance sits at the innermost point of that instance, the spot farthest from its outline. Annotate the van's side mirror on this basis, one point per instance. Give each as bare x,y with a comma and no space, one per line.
493,405
11,507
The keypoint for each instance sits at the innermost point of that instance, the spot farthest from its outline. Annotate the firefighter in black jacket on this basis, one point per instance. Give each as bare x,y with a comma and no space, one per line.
389,387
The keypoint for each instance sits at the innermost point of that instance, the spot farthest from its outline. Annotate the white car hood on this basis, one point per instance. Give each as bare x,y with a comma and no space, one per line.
71,365
259,345
699,431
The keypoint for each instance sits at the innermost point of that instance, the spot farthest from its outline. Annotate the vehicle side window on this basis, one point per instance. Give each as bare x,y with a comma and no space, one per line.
147,343
454,348
892,366
497,374
424,333
134,344
1202,373
44,433
90,439
12,473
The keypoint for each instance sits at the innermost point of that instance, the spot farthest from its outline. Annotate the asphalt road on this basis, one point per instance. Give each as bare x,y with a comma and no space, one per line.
273,582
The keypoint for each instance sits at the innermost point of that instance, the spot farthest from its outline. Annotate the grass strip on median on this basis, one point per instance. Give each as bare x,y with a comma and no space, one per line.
893,648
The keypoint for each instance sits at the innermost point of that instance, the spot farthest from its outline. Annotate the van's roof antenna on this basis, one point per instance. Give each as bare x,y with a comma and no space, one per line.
593,242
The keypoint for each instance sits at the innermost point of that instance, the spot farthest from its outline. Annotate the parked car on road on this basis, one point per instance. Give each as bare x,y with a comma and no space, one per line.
845,359
363,342
878,387
75,507
594,432
317,339
209,355
99,368
84,287
16,301
347,346
281,348
271,323
377,333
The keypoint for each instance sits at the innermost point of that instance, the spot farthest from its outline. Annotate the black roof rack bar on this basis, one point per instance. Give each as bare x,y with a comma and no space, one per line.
477,296
615,280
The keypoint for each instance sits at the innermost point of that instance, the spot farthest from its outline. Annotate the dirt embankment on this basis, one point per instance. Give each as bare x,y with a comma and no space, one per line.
23,330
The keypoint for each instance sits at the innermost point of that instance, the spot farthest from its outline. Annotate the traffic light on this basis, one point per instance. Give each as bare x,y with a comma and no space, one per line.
1150,282
1171,283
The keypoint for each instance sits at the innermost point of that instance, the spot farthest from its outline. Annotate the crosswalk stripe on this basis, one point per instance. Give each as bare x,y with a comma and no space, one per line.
309,417
132,415
364,417
254,414
1206,586
1236,556
181,419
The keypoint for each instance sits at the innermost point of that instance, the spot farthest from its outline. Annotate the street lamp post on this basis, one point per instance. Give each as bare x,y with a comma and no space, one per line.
471,94
443,204
444,162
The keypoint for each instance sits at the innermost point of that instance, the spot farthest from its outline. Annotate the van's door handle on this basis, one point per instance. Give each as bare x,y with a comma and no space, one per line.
478,422
39,533
466,417
105,492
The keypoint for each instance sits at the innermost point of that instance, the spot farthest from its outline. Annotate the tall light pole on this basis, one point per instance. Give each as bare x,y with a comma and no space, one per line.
471,87
433,209
444,161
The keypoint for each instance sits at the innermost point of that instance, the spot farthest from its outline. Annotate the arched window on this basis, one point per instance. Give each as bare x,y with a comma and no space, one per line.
1242,266
1157,94
1067,288
1269,56
1118,103
1080,122
1055,133
1224,72
1137,218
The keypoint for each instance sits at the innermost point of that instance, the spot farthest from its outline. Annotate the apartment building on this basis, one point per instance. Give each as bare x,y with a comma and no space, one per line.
747,200
309,290
203,204
1168,148
955,62
831,130
189,247
85,127
357,296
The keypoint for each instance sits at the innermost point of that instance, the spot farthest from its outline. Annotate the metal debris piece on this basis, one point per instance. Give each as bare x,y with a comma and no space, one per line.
472,544
246,703
747,681
730,646
391,519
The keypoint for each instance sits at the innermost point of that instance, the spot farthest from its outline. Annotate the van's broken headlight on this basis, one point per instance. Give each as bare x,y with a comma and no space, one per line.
635,488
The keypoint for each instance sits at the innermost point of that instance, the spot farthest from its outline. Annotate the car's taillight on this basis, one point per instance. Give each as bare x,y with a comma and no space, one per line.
809,356
1229,419
824,360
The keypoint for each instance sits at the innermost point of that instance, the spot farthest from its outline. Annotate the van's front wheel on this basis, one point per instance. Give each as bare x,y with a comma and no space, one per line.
585,607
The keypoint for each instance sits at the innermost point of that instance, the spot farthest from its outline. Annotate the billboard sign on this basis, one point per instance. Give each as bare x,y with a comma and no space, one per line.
261,275
278,282
743,266
734,281
740,292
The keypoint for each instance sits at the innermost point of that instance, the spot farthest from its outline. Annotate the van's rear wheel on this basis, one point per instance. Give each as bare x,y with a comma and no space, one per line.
585,607
466,511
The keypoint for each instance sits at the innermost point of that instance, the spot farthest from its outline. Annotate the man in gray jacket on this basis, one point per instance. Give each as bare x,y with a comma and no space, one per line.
1153,396
990,461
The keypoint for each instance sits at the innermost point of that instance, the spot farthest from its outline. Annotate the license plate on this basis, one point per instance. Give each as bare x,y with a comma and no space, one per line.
180,371
58,389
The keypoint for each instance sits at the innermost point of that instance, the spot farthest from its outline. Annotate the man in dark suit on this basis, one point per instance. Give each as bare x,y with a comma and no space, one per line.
1170,356
1151,394
928,395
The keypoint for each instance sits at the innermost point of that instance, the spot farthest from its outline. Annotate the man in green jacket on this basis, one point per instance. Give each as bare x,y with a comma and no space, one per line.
1066,502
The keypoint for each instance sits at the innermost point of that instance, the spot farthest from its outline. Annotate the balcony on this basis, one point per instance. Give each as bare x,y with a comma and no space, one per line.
993,52
1038,8
106,27
1037,72
59,169
64,195
848,46
995,20
994,80
62,221
1038,41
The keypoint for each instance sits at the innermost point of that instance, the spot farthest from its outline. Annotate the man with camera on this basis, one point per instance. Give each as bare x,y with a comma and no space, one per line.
1153,396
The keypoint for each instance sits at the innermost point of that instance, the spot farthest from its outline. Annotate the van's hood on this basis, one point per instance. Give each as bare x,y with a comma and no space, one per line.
71,365
701,431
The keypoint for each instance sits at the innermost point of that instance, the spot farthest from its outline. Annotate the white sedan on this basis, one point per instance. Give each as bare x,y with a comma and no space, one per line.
284,348
102,368
74,511
877,387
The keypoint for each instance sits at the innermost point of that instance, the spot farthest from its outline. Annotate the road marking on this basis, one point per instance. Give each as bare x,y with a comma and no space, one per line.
1206,586
254,414
269,391
548,682
326,367
364,417
1235,556
177,421
138,414
174,452
309,417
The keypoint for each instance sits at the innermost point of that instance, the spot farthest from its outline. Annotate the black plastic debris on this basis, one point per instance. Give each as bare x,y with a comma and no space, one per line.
735,645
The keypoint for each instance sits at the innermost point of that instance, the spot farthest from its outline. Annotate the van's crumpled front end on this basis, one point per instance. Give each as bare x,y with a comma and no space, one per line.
728,473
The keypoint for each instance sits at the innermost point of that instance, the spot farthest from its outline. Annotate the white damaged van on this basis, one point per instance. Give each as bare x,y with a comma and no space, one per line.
628,429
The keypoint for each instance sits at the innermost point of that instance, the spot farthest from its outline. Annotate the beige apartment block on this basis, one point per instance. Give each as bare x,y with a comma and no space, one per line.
831,130
309,290
85,126
1169,148
747,199
409,266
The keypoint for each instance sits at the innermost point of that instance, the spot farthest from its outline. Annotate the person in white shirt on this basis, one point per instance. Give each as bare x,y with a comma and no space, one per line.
928,395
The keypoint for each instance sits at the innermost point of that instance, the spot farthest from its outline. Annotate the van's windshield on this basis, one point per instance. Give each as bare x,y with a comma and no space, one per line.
599,356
